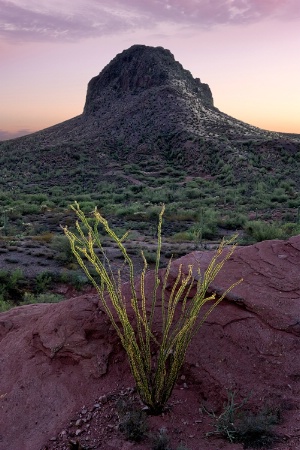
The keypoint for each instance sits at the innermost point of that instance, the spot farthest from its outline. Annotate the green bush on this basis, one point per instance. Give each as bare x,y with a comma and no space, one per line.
133,421
42,282
161,440
11,284
150,256
76,279
262,231
183,236
30,298
237,424
155,360
60,245
290,229
233,221
204,228
4,304
30,208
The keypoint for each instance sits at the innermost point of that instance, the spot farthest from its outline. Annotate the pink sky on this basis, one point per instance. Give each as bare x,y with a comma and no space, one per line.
246,50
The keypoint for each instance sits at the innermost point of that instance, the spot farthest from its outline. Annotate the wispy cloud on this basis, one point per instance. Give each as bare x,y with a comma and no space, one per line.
6,135
33,20
68,21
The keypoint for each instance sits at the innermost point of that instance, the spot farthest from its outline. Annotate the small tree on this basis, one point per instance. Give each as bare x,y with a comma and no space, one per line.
155,360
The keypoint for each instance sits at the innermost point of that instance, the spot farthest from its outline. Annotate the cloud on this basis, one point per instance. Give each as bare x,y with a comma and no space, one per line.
209,13
72,20
256,10
30,21
6,135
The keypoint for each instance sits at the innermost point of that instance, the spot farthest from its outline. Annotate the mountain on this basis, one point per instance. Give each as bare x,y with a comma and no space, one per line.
143,105
150,133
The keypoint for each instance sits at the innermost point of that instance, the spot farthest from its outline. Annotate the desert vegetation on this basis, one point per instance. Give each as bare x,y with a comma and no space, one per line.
200,211
180,316
17,289
210,205
238,423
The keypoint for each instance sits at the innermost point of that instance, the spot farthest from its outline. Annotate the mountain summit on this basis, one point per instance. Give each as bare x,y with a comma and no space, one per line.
144,94
143,69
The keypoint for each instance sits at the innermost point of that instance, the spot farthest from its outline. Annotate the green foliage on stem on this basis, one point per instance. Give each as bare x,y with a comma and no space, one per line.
155,359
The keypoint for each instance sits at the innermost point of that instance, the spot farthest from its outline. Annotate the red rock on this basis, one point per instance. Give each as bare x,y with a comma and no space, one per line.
58,359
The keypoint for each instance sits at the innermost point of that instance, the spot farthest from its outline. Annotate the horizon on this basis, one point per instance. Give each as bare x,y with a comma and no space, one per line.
245,50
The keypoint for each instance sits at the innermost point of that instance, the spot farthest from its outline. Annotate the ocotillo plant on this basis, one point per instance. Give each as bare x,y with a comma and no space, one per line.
155,358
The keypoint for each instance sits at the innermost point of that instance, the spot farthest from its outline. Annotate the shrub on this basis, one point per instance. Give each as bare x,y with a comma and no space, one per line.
262,231
62,249
4,305
233,221
76,279
183,236
133,421
150,256
30,209
161,440
42,282
255,429
290,229
237,424
49,297
225,423
155,360
45,237
11,284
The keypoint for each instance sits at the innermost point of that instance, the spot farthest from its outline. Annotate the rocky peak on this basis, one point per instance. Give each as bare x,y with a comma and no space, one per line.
142,68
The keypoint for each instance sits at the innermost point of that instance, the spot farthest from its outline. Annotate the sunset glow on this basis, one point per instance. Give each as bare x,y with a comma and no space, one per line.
246,50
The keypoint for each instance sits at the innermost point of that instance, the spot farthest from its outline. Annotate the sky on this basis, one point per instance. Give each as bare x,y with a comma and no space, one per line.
246,50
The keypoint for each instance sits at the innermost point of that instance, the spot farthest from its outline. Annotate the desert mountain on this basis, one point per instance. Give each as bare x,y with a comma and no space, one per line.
145,106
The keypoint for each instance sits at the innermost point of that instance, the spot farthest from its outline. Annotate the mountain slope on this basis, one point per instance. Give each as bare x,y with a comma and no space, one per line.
143,104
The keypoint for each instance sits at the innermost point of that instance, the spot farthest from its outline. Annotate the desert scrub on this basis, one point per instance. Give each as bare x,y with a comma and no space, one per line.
225,423
4,304
155,358
48,297
238,424
133,421
11,284
161,440
61,247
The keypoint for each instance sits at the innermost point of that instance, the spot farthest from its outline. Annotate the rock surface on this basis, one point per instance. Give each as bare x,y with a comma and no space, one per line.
58,362
139,69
